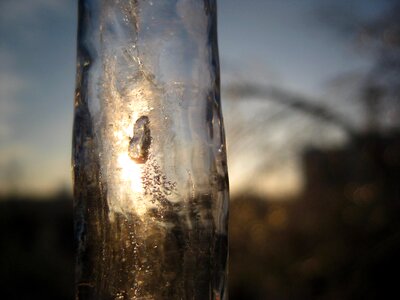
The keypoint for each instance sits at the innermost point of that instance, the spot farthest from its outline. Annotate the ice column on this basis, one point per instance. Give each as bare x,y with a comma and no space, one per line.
149,163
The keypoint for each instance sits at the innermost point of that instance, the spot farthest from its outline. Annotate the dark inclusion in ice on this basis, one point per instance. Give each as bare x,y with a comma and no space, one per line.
139,144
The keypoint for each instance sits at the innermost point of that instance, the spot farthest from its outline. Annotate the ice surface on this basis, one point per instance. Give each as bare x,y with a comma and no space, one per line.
149,159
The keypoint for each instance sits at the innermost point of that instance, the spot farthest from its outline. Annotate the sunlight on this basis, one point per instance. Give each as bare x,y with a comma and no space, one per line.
130,172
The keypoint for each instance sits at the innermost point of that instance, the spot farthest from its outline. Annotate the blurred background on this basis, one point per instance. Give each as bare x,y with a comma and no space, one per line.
311,101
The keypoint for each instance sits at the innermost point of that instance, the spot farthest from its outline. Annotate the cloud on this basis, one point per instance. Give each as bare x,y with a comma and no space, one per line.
7,59
11,167
10,85
27,11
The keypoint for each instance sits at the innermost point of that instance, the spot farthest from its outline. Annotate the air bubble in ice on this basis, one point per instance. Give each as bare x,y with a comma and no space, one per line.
139,144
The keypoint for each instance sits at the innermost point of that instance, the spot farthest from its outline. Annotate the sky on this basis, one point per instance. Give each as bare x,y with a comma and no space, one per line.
290,43
37,67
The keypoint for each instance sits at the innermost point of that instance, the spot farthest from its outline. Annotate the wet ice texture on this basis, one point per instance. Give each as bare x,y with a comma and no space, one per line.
150,174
